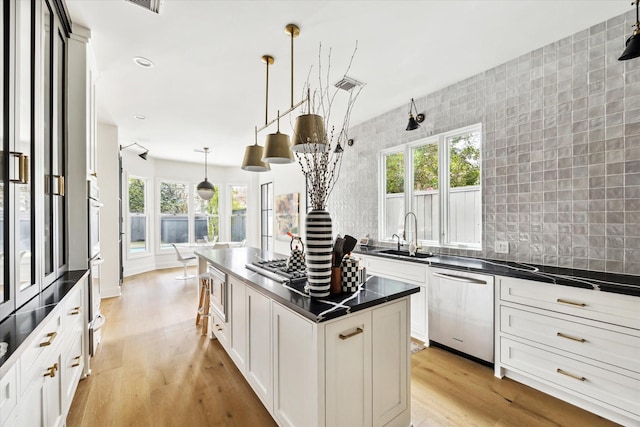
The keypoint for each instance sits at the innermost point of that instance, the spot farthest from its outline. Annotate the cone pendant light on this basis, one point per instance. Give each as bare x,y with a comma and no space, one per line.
253,154
632,49
253,157
277,148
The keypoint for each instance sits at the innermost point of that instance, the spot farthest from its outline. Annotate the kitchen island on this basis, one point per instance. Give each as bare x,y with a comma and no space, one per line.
340,360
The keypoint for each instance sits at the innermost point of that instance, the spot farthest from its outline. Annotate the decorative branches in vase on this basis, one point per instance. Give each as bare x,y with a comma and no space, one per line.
318,146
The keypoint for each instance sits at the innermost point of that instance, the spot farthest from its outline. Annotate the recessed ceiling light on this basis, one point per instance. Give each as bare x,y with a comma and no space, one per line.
143,62
139,117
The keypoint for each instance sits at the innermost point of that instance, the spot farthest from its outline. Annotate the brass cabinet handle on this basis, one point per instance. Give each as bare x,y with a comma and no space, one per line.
352,334
51,371
51,336
560,334
569,374
77,359
23,168
75,311
564,301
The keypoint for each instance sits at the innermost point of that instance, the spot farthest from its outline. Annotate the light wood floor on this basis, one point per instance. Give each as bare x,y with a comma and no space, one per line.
154,368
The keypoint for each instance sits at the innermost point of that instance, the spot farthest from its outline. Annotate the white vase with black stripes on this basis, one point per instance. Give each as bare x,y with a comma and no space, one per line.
319,251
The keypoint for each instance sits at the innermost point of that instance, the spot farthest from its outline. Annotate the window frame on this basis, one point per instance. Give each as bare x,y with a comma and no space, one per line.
266,216
229,202
149,244
160,215
444,190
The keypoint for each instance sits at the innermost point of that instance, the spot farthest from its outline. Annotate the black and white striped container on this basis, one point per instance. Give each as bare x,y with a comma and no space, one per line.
319,249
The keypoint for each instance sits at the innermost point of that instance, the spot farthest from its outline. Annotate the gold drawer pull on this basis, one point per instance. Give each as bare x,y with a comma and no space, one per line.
560,334
560,371
51,371
75,311
77,359
564,301
52,336
352,334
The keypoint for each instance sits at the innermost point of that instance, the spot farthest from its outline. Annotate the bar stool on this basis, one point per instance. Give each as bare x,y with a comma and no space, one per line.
203,304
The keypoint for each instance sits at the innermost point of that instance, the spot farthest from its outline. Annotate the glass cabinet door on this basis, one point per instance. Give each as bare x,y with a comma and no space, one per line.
24,277
5,289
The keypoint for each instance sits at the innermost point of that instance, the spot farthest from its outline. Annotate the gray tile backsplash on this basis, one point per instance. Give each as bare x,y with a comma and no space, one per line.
560,154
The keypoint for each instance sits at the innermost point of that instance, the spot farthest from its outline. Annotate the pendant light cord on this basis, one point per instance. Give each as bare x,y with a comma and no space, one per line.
206,152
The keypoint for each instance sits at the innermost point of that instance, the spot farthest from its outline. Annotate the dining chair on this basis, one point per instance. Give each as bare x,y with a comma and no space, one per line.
184,261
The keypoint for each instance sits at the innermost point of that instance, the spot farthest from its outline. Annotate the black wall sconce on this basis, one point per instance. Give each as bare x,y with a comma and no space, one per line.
633,43
414,121
142,155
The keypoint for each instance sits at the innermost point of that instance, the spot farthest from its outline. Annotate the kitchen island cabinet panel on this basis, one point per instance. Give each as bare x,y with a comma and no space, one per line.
238,321
296,370
259,366
390,367
349,380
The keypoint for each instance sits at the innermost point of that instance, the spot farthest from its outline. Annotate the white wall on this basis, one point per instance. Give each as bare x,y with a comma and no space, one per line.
107,171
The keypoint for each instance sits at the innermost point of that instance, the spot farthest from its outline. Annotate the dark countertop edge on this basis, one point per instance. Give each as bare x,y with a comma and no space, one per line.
600,281
301,310
42,304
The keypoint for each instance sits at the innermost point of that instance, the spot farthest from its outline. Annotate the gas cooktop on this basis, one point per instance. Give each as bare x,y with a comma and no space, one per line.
276,269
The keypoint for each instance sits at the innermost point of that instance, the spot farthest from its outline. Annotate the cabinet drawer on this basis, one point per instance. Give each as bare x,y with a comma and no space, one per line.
73,363
613,347
603,306
74,309
48,337
220,329
8,393
408,271
591,382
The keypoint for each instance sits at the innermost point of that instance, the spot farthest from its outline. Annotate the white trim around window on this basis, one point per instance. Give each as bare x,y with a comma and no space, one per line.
448,215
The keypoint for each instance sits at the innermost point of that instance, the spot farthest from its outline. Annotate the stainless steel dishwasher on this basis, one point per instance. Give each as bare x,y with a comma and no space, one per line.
461,311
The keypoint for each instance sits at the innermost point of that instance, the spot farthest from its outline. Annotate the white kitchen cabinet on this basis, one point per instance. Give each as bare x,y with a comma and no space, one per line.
409,272
390,365
579,345
219,329
367,362
348,354
38,387
8,394
238,321
298,393
259,370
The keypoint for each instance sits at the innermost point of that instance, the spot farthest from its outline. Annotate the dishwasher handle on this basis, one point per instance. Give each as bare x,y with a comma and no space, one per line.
460,278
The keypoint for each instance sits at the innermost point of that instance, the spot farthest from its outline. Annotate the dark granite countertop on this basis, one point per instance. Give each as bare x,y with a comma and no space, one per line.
15,329
600,281
375,291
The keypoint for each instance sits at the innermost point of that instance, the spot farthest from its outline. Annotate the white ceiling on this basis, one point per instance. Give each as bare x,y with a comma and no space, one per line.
207,87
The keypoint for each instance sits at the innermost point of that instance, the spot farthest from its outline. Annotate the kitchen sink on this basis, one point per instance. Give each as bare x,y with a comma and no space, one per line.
405,253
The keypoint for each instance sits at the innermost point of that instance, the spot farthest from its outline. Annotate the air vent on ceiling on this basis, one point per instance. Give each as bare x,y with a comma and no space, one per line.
152,5
348,83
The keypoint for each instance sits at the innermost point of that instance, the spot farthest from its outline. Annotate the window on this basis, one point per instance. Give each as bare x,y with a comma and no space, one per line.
238,213
174,213
207,216
266,216
393,202
441,186
138,242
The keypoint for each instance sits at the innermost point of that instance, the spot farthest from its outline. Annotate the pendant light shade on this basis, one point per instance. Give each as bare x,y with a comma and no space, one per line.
277,148
308,134
205,189
253,154
633,43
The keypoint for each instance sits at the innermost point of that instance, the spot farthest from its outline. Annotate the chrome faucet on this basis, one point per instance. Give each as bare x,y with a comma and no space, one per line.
395,235
413,245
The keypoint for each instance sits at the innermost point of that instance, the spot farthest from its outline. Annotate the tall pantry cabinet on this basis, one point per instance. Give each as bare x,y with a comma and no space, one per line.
33,133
